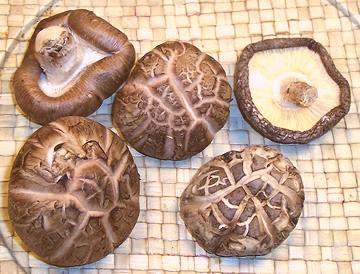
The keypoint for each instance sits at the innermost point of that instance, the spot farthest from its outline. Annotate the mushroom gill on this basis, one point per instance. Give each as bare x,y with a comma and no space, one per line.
62,55
74,61
291,87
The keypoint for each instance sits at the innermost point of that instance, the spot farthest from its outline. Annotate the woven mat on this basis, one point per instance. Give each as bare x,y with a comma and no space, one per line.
327,237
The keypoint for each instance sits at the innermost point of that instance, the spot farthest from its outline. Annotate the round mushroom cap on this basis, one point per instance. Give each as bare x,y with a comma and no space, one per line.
73,192
289,90
243,202
173,103
84,61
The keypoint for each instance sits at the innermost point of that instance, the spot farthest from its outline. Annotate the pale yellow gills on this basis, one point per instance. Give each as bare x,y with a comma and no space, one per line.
267,72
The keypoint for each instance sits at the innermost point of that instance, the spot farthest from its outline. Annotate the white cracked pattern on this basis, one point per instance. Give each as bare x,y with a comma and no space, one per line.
175,101
73,193
243,202
326,238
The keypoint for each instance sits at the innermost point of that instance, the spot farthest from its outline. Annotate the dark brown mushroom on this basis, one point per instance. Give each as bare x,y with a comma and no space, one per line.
289,90
73,192
243,203
173,103
73,62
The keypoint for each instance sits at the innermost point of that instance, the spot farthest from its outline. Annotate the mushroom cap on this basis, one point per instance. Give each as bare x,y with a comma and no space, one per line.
73,192
173,103
243,203
92,85
258,95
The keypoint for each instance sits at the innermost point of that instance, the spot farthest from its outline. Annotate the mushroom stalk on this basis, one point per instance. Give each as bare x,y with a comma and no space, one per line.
300,93
58,53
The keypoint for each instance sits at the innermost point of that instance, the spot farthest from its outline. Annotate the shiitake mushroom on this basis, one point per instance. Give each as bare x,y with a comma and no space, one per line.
289,90
173,103
243,203
73,62
73,192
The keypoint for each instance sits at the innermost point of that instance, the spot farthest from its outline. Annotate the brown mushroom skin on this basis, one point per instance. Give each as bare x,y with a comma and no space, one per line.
173,103
73,192
252,115
95,82
243,203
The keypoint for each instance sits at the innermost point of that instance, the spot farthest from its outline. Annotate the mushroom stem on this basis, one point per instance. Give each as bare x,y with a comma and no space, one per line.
300,93
58,53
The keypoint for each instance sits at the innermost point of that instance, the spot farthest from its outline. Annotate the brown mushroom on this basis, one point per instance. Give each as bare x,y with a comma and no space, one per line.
173,103
289,90
243,203
73,62
73,192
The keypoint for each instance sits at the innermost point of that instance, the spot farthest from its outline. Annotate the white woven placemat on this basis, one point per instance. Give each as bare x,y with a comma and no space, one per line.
327,238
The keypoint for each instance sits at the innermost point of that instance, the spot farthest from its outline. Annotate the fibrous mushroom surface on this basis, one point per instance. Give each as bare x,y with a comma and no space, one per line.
73,192
73,62
277,78
289,89
243,202
174,102
62,55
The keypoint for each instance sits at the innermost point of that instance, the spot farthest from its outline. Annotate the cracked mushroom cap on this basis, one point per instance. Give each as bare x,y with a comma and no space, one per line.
289,90
243,202
73,192
73,62
173,103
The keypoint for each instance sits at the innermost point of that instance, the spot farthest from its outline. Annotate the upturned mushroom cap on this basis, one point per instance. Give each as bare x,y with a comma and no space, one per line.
289,89
73,62
243,203
73,192
173,103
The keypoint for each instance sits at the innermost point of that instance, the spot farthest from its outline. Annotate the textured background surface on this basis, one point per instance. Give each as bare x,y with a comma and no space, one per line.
327,238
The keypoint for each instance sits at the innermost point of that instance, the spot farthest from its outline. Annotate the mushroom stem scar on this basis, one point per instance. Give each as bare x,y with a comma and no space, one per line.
299,93
58,53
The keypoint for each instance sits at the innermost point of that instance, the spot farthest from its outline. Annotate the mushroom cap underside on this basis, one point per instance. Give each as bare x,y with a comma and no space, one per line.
95,80
265,71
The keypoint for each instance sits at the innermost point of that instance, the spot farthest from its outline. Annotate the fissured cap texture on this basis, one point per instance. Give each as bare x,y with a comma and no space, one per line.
73,192
243,203
173,103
